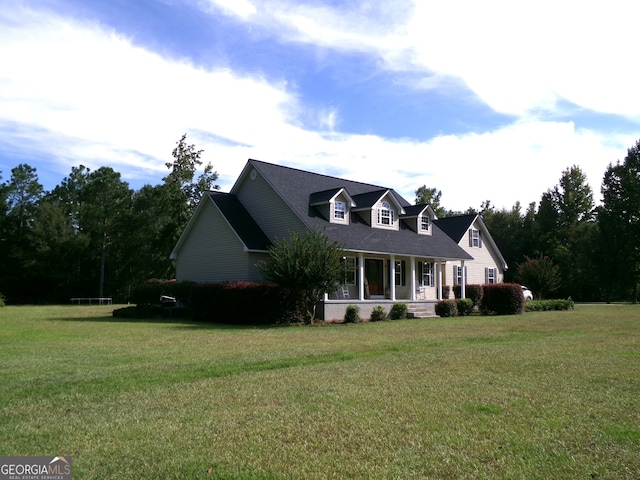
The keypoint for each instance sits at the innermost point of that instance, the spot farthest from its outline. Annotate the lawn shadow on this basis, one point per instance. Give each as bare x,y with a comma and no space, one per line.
180,323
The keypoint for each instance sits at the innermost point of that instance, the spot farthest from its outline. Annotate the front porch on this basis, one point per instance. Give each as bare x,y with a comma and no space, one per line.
372,280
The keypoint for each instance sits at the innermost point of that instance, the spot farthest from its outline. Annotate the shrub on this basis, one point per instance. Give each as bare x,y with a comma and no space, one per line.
3,300
547,305
239,303
464,306
446,291
378,314
540,274
398,311
503,299
352,315
447,308
472,291
475,293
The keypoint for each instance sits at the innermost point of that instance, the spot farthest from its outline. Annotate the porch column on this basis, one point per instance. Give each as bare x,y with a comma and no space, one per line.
360,276
392,278
463,284
439,278
413,278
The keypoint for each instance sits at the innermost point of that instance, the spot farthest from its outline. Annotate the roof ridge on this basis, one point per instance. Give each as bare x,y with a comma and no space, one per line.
333,177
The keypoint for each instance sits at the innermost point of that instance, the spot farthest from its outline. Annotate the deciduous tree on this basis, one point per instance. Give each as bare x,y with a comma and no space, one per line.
306,265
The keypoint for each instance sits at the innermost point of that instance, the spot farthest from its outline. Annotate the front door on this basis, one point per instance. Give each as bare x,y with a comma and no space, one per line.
374,272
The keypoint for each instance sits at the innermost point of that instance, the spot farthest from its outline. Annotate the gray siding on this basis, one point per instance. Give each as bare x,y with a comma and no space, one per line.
267,208
213,253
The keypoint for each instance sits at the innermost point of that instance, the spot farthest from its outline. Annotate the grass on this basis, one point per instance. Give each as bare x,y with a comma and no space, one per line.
541,395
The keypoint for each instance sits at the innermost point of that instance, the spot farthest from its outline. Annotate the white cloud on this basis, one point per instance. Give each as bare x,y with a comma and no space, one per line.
97,92
87,95
518,58
239,8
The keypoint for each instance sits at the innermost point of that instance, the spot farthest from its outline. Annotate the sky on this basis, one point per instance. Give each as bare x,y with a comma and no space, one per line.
488,100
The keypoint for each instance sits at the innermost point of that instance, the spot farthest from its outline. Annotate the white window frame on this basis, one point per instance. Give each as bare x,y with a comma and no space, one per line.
339,210
474,238
491,275
425,223
386,215
457,274
427,278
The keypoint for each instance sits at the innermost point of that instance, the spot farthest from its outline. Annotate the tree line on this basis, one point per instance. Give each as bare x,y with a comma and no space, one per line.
92,235
566,243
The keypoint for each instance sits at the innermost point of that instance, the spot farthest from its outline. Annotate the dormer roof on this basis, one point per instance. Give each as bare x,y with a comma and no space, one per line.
326,196
414,211
298,188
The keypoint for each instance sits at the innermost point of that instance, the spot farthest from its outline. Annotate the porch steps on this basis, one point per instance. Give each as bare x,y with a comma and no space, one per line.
420,310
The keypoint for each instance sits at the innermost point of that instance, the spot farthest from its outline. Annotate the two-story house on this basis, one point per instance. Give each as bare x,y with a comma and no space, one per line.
395,251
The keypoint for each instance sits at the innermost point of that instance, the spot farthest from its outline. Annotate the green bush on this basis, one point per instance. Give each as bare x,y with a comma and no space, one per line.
239,303
502,299
472,291
398,311
352,315
378,313
548,305
465,306
3,300
447,308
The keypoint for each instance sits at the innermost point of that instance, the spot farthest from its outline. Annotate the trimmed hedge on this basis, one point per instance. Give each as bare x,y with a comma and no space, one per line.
447,308
472,291
149,292
238,303
548,305
503,299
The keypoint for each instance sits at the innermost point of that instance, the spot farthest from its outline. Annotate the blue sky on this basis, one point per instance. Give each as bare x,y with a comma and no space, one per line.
483,100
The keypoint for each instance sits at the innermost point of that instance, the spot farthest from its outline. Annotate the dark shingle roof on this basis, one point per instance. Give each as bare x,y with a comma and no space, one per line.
297,186
241,221
414,210
317,198
456,227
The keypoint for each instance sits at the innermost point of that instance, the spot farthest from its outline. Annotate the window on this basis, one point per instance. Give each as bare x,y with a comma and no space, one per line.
385,214
349,270
425,221
457,274
400,273
339,210
426,276
474,238
490,275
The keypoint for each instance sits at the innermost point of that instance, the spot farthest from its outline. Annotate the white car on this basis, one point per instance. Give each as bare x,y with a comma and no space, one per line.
527,293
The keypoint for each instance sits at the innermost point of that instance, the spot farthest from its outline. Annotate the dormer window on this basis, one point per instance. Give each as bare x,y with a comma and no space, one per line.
385,214
425,223
339,210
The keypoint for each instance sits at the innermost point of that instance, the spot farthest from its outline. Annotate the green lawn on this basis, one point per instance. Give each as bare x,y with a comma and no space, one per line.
541,395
